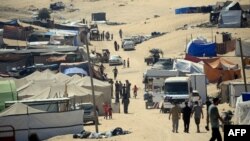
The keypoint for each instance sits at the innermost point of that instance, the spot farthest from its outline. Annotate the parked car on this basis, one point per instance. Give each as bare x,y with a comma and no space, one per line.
88,115
115,60
128,45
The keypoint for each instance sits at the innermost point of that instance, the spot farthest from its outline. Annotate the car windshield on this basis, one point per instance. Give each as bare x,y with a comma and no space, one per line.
86,106
176,88
115,57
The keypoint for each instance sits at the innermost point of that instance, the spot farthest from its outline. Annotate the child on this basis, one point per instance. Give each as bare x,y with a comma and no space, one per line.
110,112
105,108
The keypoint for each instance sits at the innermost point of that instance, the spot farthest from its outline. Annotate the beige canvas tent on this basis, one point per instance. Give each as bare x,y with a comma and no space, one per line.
216,67
102,86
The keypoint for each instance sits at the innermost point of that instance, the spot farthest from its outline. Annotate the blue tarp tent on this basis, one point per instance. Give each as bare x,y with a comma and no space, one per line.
201,48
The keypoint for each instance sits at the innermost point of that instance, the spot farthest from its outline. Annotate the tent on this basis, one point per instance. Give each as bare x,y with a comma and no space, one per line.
188,66
1,37
27,120
7,92
104,87
201,48
216,67
230,19
242,112
75,70
231,90
245,44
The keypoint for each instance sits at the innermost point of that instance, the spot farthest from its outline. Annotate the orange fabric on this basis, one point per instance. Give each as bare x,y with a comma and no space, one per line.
214,68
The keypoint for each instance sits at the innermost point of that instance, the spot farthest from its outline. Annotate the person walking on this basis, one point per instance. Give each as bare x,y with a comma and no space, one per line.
197,112
120,33
124,63
120,89
135,91
128,88
208,103
115,45
101,68
186,114
105,109
175,112
214,117
125,102
117,86
115,71
110,111
128,63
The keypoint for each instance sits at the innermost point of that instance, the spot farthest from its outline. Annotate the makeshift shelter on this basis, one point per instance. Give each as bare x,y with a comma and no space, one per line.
188,66
13,22
100,16
214,68
230,19
1,38
201,48
230,90
27,120
102,86
225,47
242,112
245,44
7,92
17,33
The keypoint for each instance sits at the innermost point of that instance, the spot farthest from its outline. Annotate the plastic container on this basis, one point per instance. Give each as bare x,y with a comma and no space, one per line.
246,96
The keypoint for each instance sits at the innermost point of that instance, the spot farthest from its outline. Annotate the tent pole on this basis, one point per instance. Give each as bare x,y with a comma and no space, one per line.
91,80
243,65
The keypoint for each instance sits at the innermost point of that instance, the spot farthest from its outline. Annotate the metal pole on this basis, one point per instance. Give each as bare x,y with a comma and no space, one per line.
243,65
91,81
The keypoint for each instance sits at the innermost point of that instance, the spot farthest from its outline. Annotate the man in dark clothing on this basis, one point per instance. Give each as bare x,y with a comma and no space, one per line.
186,113
117,85
115,71
208,103
101,69
120,89
214,120
128,86
125,102
115,45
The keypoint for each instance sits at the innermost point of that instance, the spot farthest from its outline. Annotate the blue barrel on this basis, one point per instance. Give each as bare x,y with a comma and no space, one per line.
245,96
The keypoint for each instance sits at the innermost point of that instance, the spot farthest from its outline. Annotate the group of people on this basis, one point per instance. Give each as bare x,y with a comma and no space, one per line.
122,91
105,35
187,112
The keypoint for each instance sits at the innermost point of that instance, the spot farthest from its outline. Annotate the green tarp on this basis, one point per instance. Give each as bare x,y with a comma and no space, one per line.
7,92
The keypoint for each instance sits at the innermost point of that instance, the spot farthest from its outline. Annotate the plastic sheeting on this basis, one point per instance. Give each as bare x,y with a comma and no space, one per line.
188,66
75,70
201,48
230,19
242,112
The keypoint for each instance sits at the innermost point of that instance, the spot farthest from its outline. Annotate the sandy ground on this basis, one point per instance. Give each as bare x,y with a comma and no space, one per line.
147,125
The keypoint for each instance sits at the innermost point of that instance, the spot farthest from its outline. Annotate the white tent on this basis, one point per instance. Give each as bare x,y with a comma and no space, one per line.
230,19
45,125
242,112
188,66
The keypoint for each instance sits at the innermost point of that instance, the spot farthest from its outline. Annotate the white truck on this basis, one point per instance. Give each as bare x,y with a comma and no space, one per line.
176,90
180,90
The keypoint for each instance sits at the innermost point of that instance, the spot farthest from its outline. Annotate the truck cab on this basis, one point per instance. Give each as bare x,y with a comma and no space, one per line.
176,89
